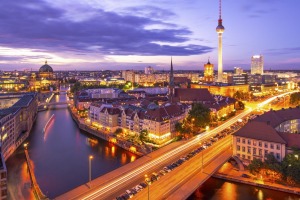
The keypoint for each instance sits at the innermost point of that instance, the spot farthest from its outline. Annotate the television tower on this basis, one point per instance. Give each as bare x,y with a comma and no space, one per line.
220,29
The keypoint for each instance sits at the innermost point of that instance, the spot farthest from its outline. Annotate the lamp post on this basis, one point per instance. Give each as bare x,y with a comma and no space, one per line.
147,179
90,169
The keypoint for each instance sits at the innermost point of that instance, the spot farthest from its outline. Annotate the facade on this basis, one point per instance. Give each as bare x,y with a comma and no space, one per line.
237,79
208,72
275,132
149,70
227,91
158,120
16,123
3,179
257,64
238,70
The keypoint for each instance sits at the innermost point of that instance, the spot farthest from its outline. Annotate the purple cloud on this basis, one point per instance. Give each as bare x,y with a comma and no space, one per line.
37,25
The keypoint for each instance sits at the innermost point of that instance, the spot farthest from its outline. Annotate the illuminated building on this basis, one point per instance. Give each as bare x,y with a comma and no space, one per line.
238,70
274,132
257,64
208,72
220,30
46,71
149,70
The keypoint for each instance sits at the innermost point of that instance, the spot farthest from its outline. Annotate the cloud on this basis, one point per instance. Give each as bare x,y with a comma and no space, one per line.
37,25
283,51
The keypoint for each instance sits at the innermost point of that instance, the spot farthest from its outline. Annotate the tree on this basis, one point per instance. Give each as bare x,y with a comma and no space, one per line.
240,105
144,135
199,116
255,166
118,131
76,87
295,98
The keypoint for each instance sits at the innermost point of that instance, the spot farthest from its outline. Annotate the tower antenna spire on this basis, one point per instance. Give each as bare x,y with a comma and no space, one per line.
220,9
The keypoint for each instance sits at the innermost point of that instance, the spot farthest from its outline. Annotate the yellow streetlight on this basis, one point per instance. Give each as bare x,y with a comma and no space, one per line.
297,156
147,180
90,169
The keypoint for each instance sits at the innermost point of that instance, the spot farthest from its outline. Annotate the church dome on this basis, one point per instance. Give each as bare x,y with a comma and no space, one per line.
46,68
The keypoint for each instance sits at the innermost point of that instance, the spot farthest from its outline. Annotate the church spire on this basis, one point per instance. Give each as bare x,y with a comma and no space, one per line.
171,82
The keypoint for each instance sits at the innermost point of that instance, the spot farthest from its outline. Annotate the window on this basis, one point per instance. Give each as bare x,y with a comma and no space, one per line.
3,175
266,145
249,142
254,143
254,151
272,146
249,150
266,152
238,148
249,157
243,149
243,141
238,139
260,152
239,155
278,156
243,156
260,144
277,146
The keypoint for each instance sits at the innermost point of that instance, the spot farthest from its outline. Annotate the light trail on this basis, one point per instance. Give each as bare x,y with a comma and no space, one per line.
140,171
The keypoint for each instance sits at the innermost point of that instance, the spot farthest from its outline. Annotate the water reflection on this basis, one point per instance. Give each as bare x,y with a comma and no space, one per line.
216,189
60,156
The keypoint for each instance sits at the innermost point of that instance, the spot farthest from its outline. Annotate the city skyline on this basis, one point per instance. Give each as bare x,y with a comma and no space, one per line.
94,35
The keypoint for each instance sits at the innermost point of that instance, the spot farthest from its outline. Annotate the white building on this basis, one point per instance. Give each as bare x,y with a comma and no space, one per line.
149,70
257,64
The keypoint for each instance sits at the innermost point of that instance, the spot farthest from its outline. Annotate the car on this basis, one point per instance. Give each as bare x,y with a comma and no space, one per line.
129,193
143,184
246,176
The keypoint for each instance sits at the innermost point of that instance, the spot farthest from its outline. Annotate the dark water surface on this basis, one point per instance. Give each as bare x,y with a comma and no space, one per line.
216,189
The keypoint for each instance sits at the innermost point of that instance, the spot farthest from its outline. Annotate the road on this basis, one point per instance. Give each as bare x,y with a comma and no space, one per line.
112,187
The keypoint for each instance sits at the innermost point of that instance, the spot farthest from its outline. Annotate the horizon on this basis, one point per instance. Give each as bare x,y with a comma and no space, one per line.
86,35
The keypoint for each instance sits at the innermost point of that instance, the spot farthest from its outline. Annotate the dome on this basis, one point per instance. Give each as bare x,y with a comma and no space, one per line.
46,68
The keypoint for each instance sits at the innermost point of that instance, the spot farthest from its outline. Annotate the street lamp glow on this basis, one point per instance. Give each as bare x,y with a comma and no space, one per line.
297,156
90,169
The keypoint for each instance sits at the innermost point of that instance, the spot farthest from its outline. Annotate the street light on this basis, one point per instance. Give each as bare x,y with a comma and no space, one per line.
297,156
147,179
90,169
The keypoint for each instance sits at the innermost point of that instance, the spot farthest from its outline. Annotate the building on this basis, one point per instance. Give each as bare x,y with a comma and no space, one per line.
257,64
46,71
208,72
274,132
220,30
3,179
227,90
16,122
149,70
238,70
129,75
237,79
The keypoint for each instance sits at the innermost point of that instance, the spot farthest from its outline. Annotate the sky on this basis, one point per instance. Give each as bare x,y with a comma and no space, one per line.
133,34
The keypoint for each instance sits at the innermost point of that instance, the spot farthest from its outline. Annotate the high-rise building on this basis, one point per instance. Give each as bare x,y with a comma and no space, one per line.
238,70
171,82
257,64
220,30
149,70
208,72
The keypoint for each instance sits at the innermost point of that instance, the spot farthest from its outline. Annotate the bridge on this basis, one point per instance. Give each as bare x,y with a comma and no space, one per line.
178,184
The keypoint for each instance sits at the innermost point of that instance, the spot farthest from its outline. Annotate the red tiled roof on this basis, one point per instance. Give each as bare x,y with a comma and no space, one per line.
193,94
164,112
260,131
277,117
293,140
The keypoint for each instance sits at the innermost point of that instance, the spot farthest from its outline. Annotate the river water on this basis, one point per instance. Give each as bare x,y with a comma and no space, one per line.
216,189
60,161
60,156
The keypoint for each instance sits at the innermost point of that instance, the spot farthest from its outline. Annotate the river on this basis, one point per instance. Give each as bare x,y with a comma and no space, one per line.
60,156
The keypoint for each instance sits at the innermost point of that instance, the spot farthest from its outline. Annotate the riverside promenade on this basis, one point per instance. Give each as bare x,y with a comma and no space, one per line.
107,136
38,192
229,173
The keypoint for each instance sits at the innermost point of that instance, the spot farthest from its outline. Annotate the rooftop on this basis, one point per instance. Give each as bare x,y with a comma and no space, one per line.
260,131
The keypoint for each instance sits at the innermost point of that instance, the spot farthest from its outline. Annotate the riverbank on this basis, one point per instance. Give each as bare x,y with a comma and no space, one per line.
229,173
107,136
